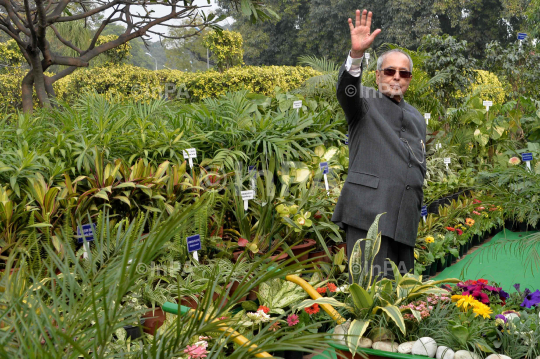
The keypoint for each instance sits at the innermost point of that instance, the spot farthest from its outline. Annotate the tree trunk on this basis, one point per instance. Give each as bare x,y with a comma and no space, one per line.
27,91
39,80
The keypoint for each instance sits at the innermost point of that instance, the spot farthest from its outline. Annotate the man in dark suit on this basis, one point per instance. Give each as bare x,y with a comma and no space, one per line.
386,152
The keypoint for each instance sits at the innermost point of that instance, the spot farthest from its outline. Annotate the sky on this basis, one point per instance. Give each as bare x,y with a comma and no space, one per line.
160,10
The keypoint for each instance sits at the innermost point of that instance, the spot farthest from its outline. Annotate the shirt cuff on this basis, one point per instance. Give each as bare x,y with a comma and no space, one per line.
354,66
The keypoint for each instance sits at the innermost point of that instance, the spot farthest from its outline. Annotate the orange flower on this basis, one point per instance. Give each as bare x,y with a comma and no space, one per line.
264,309
321,290
332,287
314,309
469,222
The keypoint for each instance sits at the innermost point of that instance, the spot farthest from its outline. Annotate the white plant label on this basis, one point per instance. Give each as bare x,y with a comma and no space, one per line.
246,196
487,104
447,161
367,58
297,104
190,155
427,116
438,146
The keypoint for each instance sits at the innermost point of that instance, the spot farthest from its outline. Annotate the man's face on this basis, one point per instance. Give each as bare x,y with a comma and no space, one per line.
394,86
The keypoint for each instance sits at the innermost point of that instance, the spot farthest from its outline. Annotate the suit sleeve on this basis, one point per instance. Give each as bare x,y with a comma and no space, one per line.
348,90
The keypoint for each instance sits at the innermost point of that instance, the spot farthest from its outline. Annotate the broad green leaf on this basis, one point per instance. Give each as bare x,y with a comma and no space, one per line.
360,297
356,331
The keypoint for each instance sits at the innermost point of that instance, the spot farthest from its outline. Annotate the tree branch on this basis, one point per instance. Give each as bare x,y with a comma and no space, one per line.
84,15
64,41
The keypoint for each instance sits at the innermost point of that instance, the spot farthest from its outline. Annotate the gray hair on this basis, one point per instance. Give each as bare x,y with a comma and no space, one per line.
381,58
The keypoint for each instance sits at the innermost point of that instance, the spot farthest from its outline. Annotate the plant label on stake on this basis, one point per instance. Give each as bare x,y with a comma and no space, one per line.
190,155
527,158
85,234
522,35
324,168
297,105
447,161
488,104
252,173
438,146
194,245
367,58
427,116
423,213
246,196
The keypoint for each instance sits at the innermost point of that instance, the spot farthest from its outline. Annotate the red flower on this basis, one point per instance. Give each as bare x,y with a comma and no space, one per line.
264,309
317,215
493,209
475,212
451,229
332,287
321,290
480,208
242,242
483,281
459,232
314,309
476,201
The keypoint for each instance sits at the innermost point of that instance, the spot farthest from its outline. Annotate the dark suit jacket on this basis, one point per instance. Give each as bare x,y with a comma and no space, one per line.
383,174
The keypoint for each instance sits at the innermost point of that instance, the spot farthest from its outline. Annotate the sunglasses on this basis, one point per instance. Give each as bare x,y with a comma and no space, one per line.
402,73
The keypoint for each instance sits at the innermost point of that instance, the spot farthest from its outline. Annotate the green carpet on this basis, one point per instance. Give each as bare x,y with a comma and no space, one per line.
502,261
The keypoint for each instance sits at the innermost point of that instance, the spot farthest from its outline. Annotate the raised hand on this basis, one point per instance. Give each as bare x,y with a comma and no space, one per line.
361,37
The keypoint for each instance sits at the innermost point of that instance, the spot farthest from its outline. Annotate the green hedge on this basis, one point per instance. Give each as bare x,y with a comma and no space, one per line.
131,82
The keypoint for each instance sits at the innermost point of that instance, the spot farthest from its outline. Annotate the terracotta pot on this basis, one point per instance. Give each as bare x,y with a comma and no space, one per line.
252,295
341,245
234,286
319,257
189,302
280,256
153,319
304,247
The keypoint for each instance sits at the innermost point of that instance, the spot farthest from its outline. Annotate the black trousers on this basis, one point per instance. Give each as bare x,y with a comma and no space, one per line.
401,254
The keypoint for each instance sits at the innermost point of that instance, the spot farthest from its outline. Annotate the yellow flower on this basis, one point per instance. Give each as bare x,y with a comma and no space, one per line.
415,255
430,239
464,301
483,310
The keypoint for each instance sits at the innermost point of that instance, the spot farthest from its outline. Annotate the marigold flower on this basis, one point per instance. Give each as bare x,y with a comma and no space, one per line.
321,290
483,310
314,309
469,222
292,319
430,239
331,287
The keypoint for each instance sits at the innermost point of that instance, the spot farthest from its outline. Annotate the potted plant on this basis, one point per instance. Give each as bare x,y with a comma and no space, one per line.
371,301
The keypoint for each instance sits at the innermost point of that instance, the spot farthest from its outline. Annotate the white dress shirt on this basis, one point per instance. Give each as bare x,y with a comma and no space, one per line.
353,65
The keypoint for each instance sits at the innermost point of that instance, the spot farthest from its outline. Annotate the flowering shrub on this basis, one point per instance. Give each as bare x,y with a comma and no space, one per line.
423,307
481,291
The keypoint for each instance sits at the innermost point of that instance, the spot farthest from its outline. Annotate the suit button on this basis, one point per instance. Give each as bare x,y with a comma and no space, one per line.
408,187
403,129
410,165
